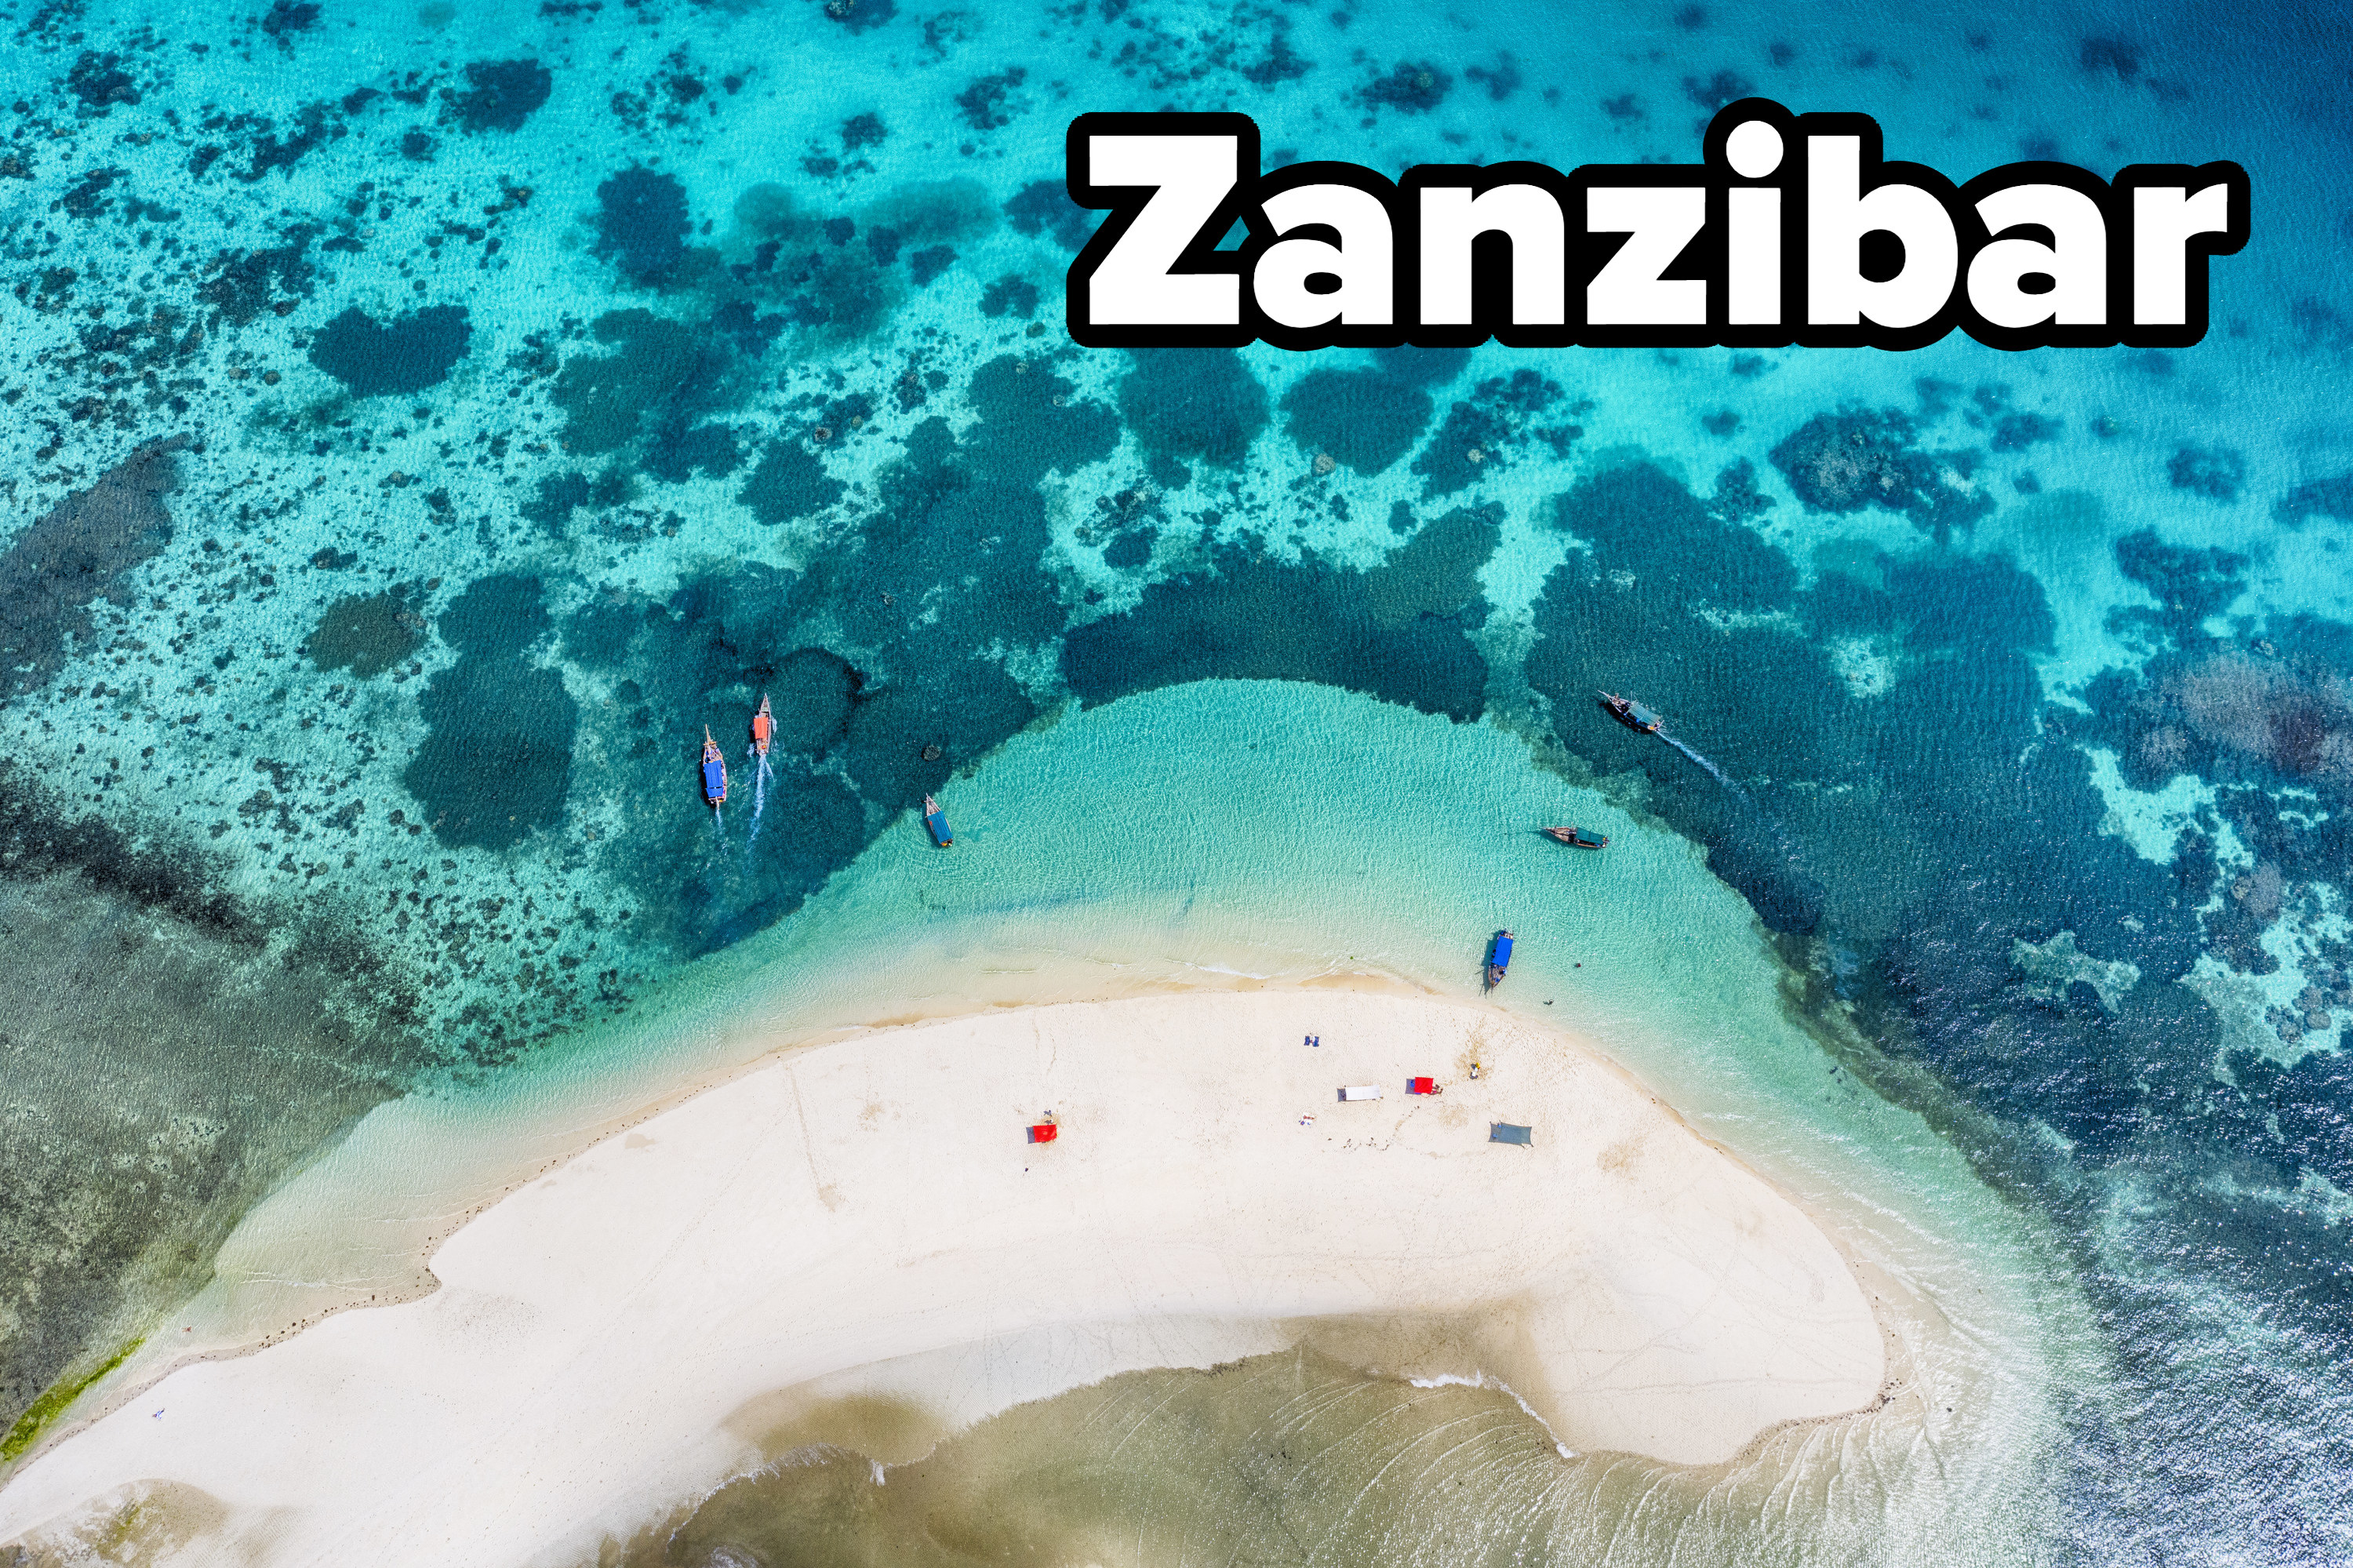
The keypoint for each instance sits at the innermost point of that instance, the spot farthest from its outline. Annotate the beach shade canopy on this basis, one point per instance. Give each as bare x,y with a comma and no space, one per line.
1361,1092
1043,1132
1422,1086
1504,1132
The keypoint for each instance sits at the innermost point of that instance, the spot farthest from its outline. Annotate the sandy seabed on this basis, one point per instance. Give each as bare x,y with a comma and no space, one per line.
865,1219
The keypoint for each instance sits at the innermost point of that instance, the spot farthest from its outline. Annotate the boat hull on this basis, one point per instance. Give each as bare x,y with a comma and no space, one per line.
1499,960
715,771
1631,714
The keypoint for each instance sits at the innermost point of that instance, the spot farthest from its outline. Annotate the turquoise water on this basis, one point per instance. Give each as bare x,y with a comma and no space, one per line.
1302,834
358,650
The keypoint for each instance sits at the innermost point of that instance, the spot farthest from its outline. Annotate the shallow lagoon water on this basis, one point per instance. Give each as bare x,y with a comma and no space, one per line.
378,726
1303,834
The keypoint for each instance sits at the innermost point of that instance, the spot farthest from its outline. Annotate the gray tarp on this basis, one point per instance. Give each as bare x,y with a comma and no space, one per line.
1504,1132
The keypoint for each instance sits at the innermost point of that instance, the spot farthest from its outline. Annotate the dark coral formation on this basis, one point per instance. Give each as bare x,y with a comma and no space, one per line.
2014,432
1860,457
1365,418
2274,712
496,764
1193,403
789,484
1481,430
1044,207
2270,721
2114,54
1423,366
312,128
988,104
561,493
1724,86
1398,633
2215,473
863,686
243,283
80,553
1670,606
832,272
859,15
99,81
1281,63
395,358
1412,86
499,94
659,368
2189,585
286,16
367,634
928,263
1009,296
641,222
680,451
2330,497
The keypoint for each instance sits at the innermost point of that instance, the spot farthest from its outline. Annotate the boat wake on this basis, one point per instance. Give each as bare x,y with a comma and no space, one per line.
759,798
1717,773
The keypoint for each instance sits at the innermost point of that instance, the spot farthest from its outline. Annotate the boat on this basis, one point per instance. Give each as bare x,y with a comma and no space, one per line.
764,724
715,770
937,821
1631,714
1499,960
1577,837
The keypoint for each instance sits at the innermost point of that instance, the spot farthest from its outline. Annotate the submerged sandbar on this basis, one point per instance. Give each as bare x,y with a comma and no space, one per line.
599,1335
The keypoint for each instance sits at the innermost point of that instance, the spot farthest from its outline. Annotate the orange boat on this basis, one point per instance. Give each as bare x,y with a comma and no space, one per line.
762,726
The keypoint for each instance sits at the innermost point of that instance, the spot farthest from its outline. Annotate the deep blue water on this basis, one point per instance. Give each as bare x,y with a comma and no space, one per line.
419,423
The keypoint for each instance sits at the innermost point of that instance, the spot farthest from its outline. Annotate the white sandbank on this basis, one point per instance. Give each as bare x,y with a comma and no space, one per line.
686,1298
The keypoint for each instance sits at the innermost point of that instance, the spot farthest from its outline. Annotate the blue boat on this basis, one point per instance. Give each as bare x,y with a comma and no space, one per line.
1499,960
715,770
937,821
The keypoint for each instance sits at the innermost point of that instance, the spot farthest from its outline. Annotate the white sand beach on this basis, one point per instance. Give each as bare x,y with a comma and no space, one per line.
864,1221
